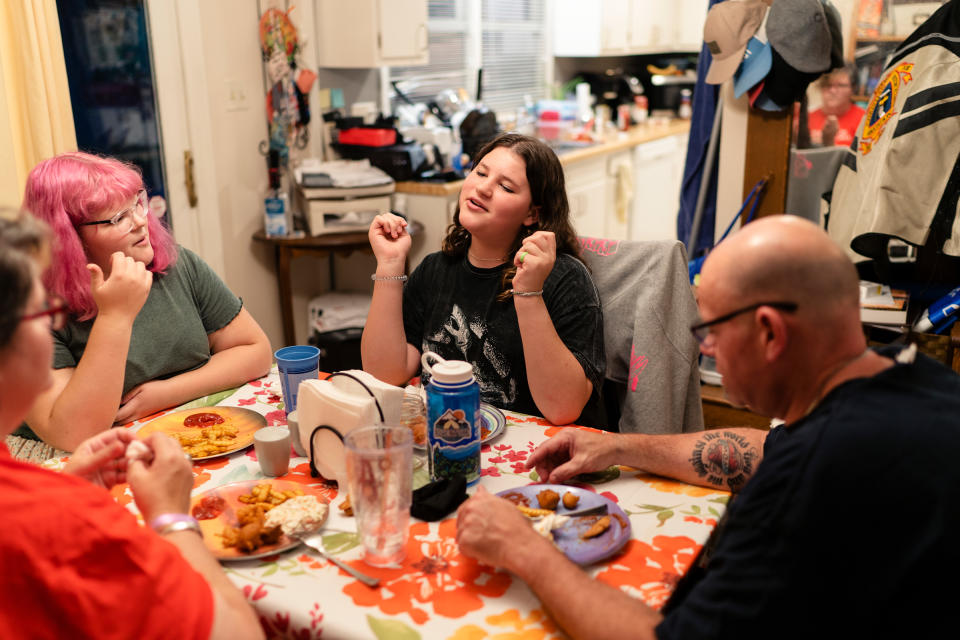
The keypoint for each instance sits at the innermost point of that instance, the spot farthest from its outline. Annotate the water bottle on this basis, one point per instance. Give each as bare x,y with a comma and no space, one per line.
453,419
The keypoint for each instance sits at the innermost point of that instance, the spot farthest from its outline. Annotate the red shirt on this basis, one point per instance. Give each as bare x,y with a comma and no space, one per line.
75,564
848,123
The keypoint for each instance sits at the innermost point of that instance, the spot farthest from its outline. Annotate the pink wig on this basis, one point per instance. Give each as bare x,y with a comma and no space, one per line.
76,187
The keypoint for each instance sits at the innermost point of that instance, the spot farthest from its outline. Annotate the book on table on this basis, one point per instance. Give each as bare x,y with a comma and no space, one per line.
879,304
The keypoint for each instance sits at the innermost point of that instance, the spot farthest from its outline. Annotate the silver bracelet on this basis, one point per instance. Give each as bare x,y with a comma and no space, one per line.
377,278
172,522
526,294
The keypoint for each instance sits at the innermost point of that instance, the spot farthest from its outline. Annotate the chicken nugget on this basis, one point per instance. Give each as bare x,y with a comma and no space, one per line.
570,500
548,499
598,527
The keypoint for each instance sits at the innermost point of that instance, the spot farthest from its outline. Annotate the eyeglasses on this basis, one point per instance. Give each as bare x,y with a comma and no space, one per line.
701,330
123,221
53,307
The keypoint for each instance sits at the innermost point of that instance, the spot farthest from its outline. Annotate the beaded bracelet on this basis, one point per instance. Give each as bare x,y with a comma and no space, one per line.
526,294
377,278
172,522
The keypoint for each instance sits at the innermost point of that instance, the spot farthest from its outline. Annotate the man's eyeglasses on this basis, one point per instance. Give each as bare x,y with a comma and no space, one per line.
701,330
55,308
123,221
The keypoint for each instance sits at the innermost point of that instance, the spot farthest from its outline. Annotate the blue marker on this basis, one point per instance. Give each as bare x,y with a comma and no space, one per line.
939,311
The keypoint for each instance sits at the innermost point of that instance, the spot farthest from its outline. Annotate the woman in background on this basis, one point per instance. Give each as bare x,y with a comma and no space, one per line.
507,292
837,119
75,563
150,324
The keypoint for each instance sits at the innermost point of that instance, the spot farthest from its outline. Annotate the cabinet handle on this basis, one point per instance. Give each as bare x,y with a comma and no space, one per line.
188,175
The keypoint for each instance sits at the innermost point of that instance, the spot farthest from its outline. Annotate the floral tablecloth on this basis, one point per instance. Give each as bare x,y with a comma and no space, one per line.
438,592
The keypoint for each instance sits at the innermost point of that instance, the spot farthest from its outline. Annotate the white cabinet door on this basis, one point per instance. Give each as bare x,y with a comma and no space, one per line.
658,171
615,37
691,14
653,25
587,194
403,30
371,33
620,195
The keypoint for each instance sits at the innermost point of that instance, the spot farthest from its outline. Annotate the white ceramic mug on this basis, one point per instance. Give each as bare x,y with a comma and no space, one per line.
272,445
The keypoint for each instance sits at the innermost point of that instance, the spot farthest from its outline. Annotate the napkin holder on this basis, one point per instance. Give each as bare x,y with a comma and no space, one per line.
327,413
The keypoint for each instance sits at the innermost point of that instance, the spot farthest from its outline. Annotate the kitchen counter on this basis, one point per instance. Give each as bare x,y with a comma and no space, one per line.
621,140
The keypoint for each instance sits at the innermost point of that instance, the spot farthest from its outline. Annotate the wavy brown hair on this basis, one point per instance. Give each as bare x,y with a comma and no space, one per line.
548,192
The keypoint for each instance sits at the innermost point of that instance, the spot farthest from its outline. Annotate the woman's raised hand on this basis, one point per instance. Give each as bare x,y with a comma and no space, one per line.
534,261
389,239
125,290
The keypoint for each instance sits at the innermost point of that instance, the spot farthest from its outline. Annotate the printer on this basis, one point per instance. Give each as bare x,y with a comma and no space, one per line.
342,195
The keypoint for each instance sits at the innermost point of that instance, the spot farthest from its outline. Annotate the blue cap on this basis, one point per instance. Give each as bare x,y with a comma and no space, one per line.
754,68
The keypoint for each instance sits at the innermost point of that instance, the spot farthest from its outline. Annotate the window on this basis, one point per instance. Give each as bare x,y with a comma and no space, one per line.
506,38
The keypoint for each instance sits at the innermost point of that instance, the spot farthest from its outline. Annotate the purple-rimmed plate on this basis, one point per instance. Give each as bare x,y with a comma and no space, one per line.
570,536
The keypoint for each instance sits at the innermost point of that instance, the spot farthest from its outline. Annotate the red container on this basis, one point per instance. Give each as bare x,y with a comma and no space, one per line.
368,137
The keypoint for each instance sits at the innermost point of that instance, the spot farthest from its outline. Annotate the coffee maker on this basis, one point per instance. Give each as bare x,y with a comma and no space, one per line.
613,87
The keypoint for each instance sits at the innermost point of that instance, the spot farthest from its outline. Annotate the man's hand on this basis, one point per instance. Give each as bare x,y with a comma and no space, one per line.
573,451
161,485
143,400
493,531
125,290
534,261
100,459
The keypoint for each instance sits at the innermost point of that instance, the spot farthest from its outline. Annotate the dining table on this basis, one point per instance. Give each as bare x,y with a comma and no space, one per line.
437,591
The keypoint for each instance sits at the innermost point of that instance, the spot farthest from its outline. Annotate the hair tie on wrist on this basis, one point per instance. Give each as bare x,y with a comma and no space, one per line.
377,278
526,294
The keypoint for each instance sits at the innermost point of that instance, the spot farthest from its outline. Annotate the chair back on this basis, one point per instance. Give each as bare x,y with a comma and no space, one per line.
652,358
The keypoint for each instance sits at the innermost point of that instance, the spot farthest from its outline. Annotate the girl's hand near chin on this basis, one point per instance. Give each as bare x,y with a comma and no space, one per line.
534,261
125,290
389,239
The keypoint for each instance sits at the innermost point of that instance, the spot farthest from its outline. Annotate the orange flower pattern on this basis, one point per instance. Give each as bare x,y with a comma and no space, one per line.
434,575
651,570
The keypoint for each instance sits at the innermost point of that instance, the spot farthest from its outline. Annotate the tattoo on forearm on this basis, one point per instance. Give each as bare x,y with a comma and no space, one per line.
724,459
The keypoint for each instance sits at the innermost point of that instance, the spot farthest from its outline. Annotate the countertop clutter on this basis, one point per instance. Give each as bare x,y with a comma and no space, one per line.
570,154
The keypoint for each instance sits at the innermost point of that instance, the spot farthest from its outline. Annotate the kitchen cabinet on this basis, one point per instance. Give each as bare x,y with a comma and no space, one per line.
658,173
622,27
371,33
600,194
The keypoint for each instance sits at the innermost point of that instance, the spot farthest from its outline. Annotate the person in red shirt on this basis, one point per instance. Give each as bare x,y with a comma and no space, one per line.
837,119
75,564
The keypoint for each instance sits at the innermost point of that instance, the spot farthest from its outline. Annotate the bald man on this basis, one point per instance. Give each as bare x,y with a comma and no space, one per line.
847,517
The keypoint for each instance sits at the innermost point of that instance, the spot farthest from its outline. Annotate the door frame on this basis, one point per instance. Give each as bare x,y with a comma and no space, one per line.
184,121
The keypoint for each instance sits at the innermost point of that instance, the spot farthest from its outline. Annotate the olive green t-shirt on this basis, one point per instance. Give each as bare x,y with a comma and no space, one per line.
170,333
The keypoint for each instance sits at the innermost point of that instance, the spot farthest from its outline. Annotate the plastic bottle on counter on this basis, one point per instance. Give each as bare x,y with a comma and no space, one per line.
685,109
640,110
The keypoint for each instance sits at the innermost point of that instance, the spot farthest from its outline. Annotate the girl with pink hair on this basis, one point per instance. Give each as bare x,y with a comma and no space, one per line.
151,325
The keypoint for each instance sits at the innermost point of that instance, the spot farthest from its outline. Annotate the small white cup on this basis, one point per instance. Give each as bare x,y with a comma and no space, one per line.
272,445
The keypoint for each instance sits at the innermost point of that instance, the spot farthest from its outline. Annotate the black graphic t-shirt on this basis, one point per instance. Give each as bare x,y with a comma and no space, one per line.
450,307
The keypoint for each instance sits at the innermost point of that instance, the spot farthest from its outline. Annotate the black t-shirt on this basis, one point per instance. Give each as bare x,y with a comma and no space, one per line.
450,307
850,526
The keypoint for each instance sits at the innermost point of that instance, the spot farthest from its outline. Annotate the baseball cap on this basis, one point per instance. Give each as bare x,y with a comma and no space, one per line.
798,31
836,35
785,84
755,65
726,32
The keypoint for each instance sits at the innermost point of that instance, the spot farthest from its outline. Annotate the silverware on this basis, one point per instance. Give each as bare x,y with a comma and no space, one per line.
315,542
592,511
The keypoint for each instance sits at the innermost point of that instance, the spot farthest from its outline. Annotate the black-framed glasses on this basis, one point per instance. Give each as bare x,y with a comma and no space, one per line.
53,307
701,330
123,221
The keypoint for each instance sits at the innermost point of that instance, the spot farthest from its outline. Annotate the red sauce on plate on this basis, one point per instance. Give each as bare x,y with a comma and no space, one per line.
208,508
202,420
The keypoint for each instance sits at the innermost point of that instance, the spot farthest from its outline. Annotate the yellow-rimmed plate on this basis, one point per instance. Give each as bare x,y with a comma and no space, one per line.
192,420
221,504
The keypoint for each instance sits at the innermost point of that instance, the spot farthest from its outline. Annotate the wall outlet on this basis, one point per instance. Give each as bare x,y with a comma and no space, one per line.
236,96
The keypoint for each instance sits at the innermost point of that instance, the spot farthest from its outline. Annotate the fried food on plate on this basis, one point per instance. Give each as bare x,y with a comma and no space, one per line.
253,532
208,441
598,527
570,500
534,513
548,499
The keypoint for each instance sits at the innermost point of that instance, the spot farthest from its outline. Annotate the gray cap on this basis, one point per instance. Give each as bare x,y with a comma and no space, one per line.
798,31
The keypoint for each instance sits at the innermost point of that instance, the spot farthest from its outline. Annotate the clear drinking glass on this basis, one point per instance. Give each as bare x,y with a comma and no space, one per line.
380,475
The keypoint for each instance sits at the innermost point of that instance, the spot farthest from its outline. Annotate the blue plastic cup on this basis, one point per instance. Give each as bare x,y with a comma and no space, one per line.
296,364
